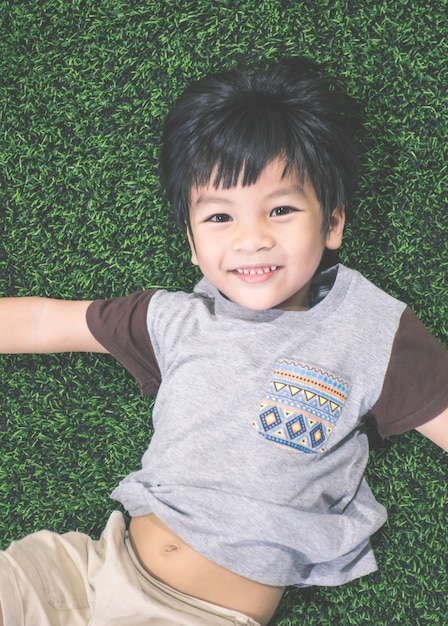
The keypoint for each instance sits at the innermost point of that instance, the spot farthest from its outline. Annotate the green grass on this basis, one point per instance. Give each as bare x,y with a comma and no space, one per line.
84,88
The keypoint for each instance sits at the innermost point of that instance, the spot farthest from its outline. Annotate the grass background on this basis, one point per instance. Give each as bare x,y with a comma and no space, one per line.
84,88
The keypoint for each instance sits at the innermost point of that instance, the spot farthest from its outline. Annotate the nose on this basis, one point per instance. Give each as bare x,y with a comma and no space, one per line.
252,237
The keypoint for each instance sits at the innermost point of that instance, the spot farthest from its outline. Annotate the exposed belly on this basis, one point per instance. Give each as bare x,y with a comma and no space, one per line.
167,557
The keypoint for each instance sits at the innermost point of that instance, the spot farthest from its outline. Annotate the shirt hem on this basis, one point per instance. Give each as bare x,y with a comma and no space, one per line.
430,412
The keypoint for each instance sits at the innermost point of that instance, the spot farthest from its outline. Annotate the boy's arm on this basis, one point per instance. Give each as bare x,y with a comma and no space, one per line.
43,325
437,430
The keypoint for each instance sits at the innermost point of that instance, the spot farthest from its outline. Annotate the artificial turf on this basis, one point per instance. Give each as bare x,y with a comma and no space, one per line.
84,88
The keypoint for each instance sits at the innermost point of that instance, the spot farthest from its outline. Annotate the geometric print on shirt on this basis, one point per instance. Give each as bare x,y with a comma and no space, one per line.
301,407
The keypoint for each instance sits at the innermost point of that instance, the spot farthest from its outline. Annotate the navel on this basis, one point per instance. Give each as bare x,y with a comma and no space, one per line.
171,547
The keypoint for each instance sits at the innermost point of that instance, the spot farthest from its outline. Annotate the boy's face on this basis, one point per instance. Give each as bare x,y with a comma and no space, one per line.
260,245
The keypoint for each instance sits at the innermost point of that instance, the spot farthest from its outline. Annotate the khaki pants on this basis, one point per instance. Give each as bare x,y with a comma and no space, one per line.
72,580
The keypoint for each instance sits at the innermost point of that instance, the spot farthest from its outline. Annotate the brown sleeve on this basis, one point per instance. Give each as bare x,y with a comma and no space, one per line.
119,324
415,387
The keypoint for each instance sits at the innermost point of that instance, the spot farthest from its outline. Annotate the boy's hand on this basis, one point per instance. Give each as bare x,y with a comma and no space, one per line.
42,325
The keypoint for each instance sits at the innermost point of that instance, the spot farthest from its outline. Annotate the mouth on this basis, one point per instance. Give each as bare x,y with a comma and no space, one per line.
256,271
255,274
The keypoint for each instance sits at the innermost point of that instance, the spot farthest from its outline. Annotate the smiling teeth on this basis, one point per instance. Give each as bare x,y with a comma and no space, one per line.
254,272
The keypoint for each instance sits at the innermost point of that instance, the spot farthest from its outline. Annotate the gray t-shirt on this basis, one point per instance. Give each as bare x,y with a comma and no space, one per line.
259,449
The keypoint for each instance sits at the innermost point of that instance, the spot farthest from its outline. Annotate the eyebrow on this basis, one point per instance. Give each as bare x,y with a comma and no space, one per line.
278,193
209,199
287,191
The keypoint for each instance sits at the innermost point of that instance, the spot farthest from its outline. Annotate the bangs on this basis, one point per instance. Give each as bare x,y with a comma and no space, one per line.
247,139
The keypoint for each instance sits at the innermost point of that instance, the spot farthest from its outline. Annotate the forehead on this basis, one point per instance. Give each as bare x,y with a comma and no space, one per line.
274,181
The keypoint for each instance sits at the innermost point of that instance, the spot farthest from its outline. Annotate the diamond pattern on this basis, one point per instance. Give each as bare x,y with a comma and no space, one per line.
301,407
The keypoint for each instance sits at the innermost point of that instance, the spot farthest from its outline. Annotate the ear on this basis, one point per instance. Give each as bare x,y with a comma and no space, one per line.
337,223
194,258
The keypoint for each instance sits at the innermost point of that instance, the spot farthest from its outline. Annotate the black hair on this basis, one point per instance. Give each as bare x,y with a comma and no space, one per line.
235,122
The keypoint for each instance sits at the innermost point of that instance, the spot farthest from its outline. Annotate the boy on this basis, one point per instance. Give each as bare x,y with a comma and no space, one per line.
265,374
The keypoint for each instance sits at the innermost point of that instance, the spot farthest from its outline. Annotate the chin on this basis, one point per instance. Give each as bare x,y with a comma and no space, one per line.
255,305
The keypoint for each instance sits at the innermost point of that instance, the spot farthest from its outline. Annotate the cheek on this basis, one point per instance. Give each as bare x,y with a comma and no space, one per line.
204,253
307,243
308,252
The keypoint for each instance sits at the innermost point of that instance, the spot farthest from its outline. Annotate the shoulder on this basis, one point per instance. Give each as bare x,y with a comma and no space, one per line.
366,303
363,287
202,296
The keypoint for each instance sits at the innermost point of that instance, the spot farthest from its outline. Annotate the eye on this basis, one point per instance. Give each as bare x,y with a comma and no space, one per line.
219,218
282,210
